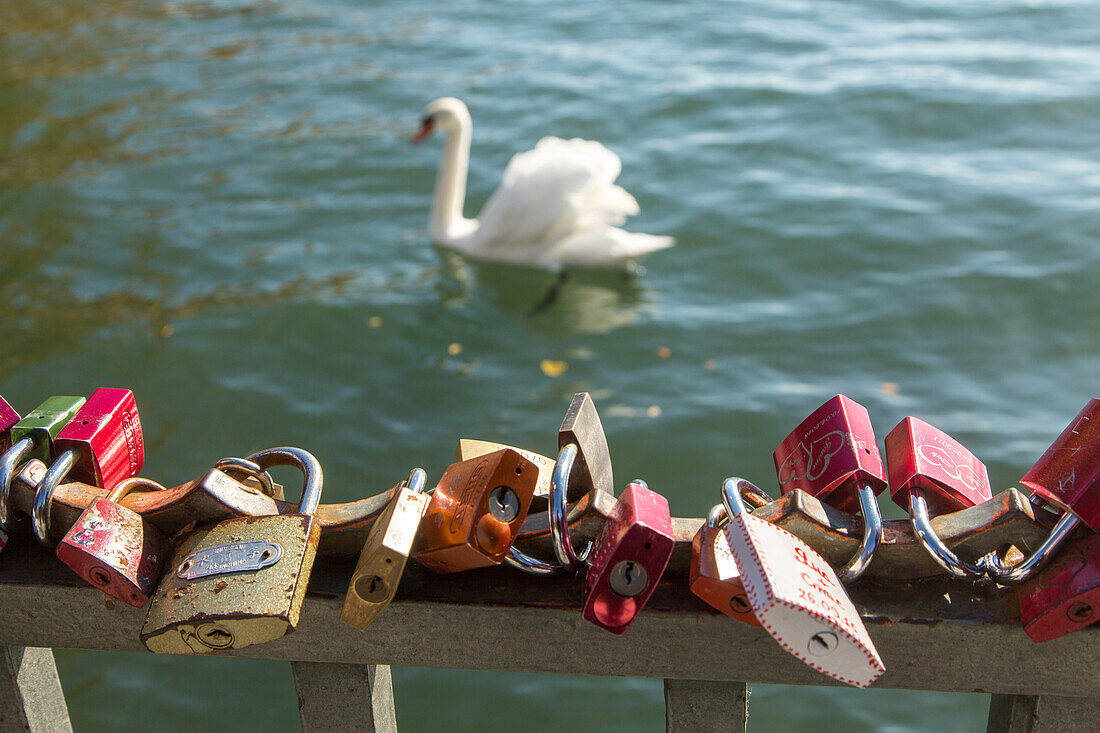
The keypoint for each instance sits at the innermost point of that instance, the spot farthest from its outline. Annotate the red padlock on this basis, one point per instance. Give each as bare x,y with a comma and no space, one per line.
1064,596
101,445
114,549
713,575
8,417
833,456
1067,476
929,469
629,557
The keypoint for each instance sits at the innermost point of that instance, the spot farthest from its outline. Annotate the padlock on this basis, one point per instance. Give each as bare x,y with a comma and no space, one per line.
241,581
1065,595
833,456
8,418
1067,476
797,597
382,560
114,549
628,558
931,471
101,445
476,512
713,575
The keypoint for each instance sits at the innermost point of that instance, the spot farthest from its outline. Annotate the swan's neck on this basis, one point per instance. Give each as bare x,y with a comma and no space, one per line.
447,222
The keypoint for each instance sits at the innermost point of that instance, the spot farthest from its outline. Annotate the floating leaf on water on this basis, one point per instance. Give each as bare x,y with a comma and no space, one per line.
553,367
374,321
710,364
890,388
663,352
167,330
653,411
454,349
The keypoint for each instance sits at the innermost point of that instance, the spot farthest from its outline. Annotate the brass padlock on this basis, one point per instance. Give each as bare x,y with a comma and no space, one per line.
382,560
242,581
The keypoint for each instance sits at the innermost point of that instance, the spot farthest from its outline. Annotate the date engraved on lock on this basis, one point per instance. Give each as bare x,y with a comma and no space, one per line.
232,557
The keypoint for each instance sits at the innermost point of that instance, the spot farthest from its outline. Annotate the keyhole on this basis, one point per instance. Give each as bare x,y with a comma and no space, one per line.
740,604
215,637
504,503
822,643
371,588
1079,612
99,576
628,578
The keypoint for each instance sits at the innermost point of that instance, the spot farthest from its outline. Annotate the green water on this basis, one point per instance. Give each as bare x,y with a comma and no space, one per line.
215,205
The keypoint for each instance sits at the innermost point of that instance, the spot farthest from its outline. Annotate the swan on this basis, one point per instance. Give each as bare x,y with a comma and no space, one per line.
557,207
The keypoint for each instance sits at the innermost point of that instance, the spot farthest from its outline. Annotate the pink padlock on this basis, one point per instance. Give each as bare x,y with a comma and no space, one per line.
8,417
833,456
629,557
931,471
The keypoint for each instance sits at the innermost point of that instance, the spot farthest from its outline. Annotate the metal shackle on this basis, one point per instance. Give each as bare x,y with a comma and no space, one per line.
134,483
872,535
949,561
731,496
243,468
717,516
417,481
43,495
1011,575
301,459
9,464
556,509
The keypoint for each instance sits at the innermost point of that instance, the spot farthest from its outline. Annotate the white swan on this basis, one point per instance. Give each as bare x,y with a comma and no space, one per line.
557,207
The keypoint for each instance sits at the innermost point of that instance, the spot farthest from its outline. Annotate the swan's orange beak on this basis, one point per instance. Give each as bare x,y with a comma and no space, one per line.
423,132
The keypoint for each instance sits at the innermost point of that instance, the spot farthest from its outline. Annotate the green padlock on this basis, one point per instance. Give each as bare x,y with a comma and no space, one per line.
41,426
241,581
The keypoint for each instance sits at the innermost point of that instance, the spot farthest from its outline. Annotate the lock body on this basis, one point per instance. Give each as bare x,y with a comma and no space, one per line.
106,434
923,458
238,583
713,576
628,559
799,600
382,560
43,423
1066,475
8,418
113,549
476,512
830,453
1064,596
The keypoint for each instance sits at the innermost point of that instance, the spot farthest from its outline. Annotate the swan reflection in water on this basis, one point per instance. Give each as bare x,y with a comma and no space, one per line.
591,301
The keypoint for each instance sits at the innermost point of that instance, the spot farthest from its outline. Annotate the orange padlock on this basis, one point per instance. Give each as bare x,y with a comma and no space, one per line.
713,576
476,512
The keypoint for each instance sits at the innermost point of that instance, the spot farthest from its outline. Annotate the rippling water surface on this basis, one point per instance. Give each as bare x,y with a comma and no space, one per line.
214,203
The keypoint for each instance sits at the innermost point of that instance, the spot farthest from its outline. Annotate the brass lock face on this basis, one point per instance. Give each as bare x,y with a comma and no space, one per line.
382,560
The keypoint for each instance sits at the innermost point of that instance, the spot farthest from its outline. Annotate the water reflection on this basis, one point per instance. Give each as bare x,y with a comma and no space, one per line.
589,301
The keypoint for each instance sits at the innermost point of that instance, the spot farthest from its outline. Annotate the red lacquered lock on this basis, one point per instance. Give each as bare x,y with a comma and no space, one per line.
101,445
1065,596
8,417
713,575
628,558
930,470
476,512
833,456
114,549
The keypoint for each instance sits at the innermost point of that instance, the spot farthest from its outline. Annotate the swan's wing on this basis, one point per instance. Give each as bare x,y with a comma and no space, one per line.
559,187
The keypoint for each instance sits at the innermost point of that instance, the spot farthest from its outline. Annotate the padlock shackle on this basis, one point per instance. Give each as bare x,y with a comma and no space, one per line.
731,496
872,535
1034,562
301,459
556,511
245,469
43,495
134,483
717,516
949,561
520,560
9,463
417,481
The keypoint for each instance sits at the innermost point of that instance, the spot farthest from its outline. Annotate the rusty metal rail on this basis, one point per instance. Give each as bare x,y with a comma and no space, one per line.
933,634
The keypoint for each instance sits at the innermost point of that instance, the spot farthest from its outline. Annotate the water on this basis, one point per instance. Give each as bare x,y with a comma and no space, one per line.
214,204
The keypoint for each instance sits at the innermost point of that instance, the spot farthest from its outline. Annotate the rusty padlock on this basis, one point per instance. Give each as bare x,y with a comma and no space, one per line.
797,597
1066,476
8,418
475,512
241,581
101,445
382,560
1065,595
628,558
931,471
114,549
713,575
833,456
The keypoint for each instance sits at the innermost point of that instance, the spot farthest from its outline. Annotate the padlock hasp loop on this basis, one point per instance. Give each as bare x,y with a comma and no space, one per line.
556,509
301,459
